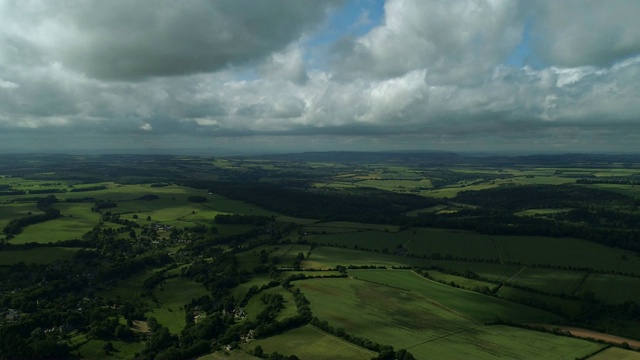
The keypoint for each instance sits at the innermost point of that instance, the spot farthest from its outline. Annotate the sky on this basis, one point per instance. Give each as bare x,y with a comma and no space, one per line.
248,76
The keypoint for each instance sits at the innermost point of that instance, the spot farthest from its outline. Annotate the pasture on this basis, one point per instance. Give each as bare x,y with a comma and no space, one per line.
551,281
612,289
459,280
614,353
255,305
307,342
565,252
490,342
232,355
93,348
76,220
380,313
41,255
172,295
12,211
324,257
567,306
479,307
431,322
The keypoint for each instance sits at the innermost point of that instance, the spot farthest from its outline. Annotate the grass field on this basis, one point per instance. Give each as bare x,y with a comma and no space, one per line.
630,190
549,280
491,271
491,342
480,308
615,353
541,212
435,321
129,288
345,226
328,258
173,294
9,212
420,241
76,221
307,342
380,313
233,355
567,252
258,280
93,349
255,305
459,280
569,307
36,255
612,289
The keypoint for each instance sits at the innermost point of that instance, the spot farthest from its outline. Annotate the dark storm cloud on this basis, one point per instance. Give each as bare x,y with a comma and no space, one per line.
128,40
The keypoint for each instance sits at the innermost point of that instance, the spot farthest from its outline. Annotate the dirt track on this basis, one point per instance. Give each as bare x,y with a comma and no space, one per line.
586,333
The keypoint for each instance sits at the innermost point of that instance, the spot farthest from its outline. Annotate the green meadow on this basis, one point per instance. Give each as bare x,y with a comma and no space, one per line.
430,319
41,255
308,342
479,307
172,295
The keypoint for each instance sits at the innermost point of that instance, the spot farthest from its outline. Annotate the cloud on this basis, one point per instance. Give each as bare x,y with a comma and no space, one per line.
572,33
132,40
455,41
431,74
286,65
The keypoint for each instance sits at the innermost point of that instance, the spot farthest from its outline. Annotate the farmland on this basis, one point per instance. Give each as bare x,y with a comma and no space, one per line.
336,256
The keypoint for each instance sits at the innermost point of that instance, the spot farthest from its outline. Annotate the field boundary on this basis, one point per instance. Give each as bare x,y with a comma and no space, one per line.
588,334
339,339
508,281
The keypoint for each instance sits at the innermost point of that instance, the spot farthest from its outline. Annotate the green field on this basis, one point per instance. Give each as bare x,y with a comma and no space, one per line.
491,342
549,280
615,353
255,305
329,257
567,252
43,255
93,349
612,289
258,280
233,355
173,294
479,307
9,212
76,220
459,280
129,288
569,307
380,313
307,342
432,320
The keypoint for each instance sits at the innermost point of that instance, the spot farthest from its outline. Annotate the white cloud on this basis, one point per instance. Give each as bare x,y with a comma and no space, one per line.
573,33
457,41
8,84
286,65
433,72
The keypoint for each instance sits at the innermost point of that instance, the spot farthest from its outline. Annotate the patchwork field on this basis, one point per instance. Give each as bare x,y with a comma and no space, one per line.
432,320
